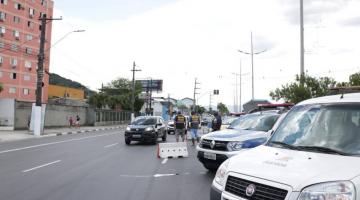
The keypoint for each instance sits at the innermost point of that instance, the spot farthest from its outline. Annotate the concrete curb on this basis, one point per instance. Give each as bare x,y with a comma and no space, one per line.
84,131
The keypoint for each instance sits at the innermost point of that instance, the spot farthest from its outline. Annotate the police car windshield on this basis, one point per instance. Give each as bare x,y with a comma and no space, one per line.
334,128
255,122
144,121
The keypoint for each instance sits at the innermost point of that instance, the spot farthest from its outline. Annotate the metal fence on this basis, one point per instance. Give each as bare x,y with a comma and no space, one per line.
110,117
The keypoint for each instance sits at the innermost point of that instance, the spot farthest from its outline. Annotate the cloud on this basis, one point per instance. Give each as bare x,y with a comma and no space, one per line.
185,39
314,10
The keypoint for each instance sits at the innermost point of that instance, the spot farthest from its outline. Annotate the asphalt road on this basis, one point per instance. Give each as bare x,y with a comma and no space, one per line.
97,166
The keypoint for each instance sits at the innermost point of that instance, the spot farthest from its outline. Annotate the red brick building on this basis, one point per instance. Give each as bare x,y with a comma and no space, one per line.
19,47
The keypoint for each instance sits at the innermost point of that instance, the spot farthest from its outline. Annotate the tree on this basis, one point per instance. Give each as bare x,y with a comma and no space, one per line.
311,87
117,94
222,108
354,79
199,109
1,87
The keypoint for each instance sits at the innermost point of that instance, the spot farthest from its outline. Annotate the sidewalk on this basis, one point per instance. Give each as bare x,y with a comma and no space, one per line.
6,136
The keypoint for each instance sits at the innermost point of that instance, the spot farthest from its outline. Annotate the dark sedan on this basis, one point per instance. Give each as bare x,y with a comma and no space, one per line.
146,129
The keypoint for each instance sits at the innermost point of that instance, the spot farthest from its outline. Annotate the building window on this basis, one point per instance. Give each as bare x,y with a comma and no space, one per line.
27,64
3,2
2,45
16,34
13,76
27,77
30,25
13,62
14,47
16,19
1,60
43,2
18,6
28,50
2,30
31,12
26,91
29,37
2,16
12,90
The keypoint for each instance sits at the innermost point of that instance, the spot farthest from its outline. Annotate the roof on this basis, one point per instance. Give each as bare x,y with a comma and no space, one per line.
347,98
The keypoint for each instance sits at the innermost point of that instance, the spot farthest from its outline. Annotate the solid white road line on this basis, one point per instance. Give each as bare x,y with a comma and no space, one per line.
111,145
44,165
164,161
52,143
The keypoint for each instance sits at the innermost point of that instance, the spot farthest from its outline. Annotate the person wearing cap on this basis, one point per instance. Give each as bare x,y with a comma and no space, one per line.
180,126
194,126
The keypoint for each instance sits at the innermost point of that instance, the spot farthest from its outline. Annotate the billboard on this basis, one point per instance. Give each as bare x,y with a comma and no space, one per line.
151,85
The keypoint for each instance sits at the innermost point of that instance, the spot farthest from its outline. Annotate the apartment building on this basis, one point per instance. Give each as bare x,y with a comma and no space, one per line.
19,47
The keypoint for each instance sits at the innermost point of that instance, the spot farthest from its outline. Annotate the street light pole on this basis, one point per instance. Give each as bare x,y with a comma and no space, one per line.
252,63
38,118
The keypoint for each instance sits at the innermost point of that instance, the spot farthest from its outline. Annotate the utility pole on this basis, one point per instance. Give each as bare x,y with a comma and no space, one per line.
133,91
240,89
169,107
236,92
302,50
210,103
38,118
195,93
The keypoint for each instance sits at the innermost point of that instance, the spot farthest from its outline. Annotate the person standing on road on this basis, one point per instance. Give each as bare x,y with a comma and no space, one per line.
194,126
77,123
71,121
180,126
216,123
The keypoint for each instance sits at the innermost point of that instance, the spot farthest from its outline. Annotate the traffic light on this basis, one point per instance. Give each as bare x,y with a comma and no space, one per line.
216,92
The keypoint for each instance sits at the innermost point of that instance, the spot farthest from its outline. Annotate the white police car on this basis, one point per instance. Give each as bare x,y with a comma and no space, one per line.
244,133
314,154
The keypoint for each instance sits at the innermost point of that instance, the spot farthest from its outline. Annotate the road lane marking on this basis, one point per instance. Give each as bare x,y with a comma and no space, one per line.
44,165
162,175
111,145
52,143
164,161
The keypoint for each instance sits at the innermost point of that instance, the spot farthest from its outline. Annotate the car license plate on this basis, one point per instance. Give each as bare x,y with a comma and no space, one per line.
136,136
210,156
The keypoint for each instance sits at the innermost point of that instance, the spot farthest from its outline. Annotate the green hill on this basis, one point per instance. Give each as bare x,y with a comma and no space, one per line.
56,79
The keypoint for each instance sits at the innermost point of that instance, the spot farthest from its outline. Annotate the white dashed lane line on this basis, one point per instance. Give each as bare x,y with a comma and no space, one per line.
44,165
111,145
164,161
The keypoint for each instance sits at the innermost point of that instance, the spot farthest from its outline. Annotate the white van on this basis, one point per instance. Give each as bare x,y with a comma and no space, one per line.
314,154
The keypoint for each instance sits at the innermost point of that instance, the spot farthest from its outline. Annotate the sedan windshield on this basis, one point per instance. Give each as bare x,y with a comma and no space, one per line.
255,122
144,121
321,128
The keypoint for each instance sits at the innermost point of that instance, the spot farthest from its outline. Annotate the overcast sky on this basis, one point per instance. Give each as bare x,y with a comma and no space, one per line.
178,40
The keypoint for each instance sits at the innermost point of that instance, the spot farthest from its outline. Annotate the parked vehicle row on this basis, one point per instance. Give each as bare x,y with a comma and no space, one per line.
313,154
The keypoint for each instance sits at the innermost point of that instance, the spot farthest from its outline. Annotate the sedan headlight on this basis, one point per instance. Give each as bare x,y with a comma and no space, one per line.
221,173
149,129
235,146
343,190
128,128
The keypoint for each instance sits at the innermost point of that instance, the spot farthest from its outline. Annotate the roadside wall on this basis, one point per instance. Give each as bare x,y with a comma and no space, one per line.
16,115
7,114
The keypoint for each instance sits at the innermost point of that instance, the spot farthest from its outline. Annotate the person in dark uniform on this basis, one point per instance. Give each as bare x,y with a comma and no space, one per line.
180,126
194,126
216,123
